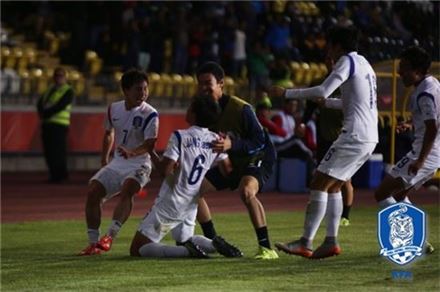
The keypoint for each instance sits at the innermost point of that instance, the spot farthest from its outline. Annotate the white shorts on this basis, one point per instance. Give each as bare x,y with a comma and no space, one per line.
112,179
345,157
400,169
155,226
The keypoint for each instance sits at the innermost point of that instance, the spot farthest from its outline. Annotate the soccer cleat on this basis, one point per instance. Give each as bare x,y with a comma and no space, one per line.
226,249
195,250
295,248
344,222
105,243
91,249
265,253
326,250
429,248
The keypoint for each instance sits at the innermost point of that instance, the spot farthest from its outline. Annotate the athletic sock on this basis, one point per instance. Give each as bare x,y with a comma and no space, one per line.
93,235
333,213
387,202
114,228
263,237
315,211
208,229
204,242
346,212
159,250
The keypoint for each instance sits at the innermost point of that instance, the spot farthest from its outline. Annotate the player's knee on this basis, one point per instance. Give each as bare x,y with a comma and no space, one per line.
247,194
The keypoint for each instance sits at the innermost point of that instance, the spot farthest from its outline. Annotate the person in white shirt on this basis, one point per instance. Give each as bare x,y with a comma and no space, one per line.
421,162
357,81
132,125
186,160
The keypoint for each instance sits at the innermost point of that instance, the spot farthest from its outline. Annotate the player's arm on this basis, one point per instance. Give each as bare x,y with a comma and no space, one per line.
339,75
428,140
253,142
107,144
427,106
225,166
146,147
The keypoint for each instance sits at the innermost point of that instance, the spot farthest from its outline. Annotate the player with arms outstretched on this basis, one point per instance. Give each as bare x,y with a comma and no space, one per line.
355,77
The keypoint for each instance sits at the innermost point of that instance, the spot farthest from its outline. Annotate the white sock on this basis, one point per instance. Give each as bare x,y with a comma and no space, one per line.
159,250
93,235
333,213
114,228
204,242
406,200
315,211
387,202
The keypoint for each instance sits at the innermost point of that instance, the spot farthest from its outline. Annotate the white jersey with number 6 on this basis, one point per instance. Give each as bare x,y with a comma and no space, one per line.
191,148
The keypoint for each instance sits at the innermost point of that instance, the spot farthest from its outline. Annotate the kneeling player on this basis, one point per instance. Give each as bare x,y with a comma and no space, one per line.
186,160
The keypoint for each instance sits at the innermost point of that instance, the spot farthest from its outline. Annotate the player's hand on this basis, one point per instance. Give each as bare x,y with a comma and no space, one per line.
277,91
414,167
124,152
403,127
222,144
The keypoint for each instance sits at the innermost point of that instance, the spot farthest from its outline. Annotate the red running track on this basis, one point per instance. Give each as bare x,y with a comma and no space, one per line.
26,197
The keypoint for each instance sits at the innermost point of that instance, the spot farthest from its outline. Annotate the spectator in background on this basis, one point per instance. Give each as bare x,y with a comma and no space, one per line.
291,144
239,53
263,115
54,108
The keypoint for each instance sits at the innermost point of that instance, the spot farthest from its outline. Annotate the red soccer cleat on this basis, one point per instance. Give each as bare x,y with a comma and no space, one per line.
326,250
91,249
105,243
294,248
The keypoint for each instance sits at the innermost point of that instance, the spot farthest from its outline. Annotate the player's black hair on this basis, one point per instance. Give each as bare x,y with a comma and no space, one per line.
346,36
133,76
418,58
206,109
213,68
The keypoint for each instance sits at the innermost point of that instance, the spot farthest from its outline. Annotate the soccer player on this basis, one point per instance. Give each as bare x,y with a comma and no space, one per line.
188,157
250,151
419,164
133,125
359,136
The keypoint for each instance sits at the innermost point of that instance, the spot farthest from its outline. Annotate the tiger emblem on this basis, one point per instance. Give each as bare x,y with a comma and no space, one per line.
401,228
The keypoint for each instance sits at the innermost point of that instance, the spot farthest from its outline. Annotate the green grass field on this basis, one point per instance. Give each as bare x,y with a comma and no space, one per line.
40,256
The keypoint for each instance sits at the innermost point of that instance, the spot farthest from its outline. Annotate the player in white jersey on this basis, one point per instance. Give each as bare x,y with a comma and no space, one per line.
132,124
355,77
419,164
185,162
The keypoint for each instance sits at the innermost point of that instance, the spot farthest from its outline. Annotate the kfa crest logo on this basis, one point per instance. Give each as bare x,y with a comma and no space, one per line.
401,231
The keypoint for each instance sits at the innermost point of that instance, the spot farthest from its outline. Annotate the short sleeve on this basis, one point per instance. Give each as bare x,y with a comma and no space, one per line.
427,106
151,127
173,148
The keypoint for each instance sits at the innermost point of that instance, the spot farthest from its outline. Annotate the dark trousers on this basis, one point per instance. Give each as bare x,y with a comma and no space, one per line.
55,150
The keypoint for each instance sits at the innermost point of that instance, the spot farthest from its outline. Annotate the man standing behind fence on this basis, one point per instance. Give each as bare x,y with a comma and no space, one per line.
54,108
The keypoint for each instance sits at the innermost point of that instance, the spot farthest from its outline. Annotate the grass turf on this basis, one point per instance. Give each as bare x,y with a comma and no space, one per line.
40,256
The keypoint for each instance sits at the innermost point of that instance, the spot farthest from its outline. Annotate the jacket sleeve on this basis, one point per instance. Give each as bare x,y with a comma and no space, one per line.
59,106
253,140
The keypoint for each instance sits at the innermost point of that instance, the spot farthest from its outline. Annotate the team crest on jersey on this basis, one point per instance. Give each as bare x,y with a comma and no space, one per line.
401,232
137,122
